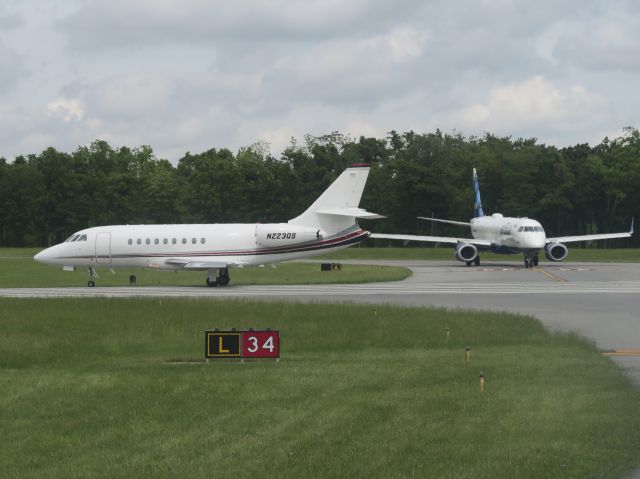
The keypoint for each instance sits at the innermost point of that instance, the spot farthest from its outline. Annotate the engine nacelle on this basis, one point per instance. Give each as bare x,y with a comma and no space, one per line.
282,234
466,252
556,251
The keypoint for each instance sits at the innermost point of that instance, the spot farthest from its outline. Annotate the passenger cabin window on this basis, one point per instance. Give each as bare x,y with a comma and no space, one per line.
148,241
202,240
193,241
156,241
184,240
130,241
138,241
165,241
174,241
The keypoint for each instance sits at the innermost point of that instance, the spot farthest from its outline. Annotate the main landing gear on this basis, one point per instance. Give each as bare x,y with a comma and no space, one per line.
222,279
476,261
92,275
530,260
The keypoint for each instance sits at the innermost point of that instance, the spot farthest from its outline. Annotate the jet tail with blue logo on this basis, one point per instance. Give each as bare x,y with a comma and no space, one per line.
477,207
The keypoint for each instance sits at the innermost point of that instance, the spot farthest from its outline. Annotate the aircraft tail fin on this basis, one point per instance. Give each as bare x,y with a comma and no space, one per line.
477,207
337,208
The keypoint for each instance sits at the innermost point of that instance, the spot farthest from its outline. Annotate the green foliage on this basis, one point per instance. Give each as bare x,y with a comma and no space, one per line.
575,190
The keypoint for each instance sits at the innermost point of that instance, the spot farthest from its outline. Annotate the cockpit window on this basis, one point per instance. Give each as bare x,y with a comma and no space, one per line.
82,238
74,238
521,229
540,229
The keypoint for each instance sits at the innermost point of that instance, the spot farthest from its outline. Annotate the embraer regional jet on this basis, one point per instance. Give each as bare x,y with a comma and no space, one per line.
504,235
327,225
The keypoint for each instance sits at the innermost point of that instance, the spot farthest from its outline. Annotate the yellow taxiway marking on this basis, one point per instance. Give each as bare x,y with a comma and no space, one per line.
549,275
622,352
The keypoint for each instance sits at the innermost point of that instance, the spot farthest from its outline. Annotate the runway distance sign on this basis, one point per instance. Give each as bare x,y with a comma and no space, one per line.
242,344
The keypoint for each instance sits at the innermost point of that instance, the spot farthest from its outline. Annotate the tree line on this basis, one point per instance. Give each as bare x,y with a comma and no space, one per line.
574,190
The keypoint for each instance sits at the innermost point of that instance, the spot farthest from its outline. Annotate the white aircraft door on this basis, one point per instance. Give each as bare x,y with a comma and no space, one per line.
103,248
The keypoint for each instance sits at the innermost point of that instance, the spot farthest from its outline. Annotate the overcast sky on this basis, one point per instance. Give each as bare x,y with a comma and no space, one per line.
189,75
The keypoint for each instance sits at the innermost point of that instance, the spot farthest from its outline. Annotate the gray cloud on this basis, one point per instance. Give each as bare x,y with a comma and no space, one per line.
12,68
190,75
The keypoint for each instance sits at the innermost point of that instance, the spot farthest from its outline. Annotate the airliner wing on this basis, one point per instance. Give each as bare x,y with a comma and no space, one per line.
451,222
432,239
572,239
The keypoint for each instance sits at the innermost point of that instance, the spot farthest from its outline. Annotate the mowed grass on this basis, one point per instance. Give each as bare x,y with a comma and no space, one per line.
19,270
446,253
89,390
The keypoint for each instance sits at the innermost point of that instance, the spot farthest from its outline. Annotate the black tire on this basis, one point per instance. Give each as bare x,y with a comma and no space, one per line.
468,263
535,261
223,280
526,263
477,261
211,283
91,283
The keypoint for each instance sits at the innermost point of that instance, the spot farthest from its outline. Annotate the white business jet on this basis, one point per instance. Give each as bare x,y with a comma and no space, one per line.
504,235
329,224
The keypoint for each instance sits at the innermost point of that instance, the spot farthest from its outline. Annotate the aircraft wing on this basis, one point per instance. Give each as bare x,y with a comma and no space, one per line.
432,239
451,222
202,265
573,239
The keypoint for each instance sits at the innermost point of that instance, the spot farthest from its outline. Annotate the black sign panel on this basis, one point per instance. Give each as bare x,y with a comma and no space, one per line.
222,344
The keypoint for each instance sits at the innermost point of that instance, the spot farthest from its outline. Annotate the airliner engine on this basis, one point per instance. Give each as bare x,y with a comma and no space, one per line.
282,234
556,252
466,252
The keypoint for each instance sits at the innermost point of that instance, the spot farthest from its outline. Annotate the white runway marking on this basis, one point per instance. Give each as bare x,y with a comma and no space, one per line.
401,288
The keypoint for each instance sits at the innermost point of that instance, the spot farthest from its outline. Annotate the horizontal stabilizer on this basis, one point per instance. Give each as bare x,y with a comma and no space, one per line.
451,222
432,239
352,212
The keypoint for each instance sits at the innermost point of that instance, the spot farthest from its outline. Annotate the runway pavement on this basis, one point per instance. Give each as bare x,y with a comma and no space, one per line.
598,300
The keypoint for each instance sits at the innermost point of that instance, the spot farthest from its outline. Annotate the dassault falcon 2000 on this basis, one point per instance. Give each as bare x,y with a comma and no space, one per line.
327,225
504,235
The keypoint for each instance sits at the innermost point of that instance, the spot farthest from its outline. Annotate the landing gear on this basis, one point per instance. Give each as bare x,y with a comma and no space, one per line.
530,260
92,275
475,261
222,279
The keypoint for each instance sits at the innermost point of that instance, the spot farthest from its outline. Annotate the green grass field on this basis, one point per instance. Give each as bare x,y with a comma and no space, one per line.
89,390
443,253
19,270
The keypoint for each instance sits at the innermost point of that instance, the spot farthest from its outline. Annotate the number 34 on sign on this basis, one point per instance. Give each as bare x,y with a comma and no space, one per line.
242,344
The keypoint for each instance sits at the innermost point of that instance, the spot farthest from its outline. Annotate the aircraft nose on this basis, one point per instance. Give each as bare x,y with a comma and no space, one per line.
43,256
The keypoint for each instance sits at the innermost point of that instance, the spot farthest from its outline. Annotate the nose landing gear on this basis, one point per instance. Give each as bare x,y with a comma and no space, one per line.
92,275
530,260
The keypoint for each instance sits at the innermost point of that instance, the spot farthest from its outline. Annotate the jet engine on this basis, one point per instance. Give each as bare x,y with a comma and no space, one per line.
282,234
556,251
466,252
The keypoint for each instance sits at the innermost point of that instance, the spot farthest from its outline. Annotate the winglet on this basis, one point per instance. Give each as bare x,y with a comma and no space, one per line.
631,230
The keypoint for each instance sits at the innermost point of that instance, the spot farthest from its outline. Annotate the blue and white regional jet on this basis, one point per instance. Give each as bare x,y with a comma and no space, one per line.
505,235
